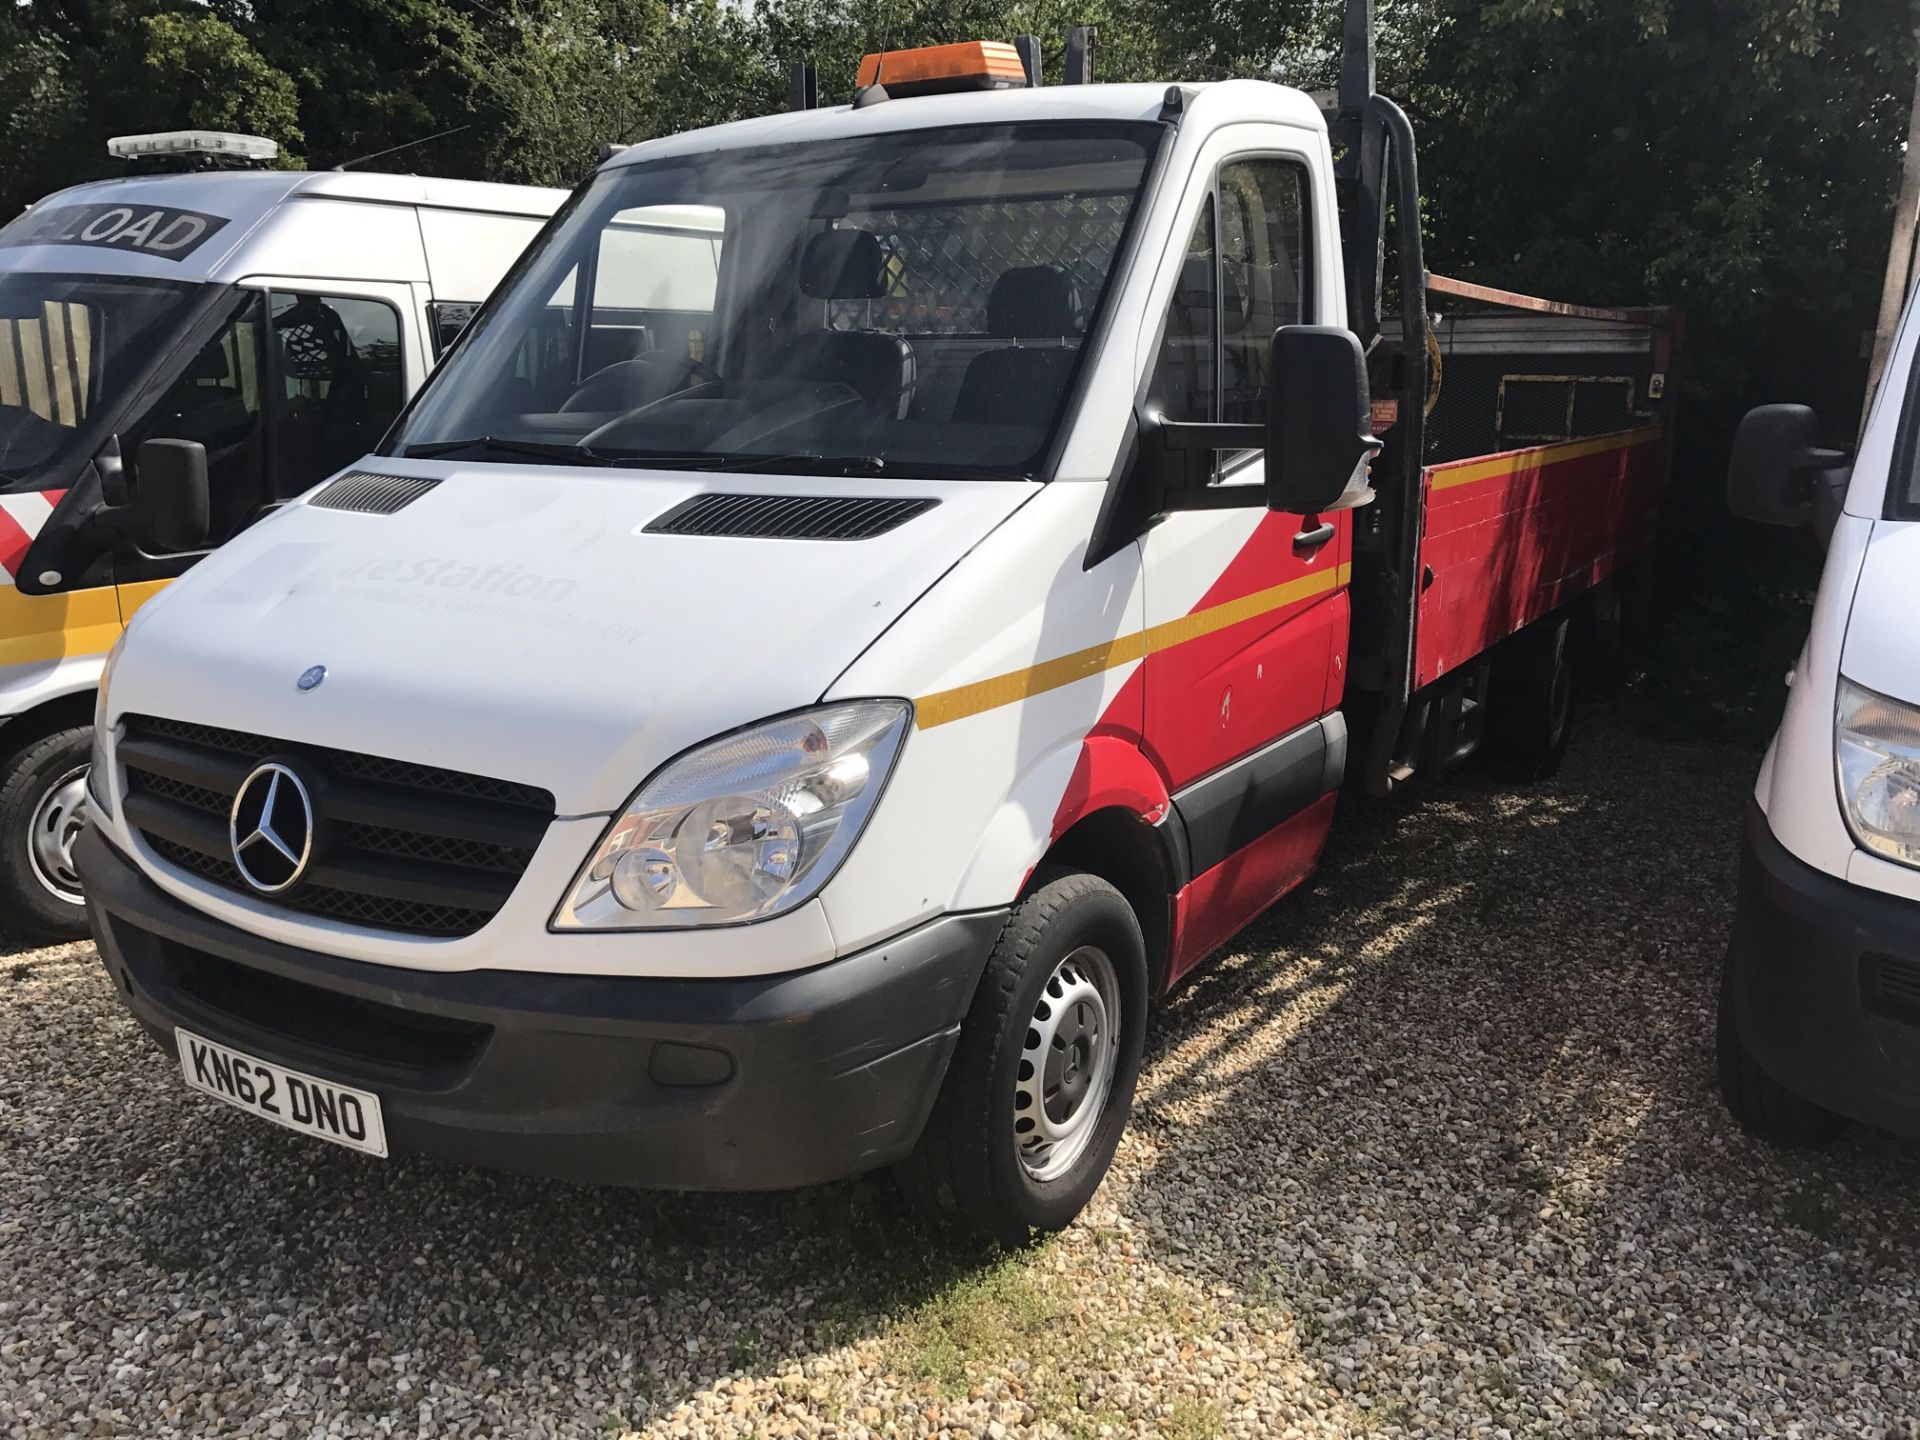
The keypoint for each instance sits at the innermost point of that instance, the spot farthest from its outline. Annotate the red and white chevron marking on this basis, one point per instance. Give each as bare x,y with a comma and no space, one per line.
21,518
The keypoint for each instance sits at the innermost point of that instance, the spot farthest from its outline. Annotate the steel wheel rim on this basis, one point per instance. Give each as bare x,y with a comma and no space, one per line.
1067,1064
56,824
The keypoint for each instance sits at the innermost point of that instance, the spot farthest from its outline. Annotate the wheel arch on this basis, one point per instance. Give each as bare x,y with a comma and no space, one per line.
1137,859
61,712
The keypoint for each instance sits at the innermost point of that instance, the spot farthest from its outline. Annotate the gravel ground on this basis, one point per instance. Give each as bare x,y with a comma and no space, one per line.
1437,1151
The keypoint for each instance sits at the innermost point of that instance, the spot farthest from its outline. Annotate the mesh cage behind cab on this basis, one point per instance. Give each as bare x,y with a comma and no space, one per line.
942,261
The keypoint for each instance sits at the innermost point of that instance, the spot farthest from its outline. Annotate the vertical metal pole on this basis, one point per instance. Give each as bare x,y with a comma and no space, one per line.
1080,55
803,87
1356,56
1899,276
1029,49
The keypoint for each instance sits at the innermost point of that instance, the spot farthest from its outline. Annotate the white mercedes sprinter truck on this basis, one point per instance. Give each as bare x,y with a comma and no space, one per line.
1820,1006
275,320
866,607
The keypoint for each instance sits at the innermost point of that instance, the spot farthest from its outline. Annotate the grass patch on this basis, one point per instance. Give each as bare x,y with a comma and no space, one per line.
1192,1420
1001,1312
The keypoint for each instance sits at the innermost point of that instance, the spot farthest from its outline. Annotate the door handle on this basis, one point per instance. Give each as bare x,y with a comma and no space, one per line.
1313,539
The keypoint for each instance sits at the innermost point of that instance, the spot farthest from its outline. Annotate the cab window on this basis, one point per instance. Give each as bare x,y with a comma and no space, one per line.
338,385
290,389
217,401
1243,276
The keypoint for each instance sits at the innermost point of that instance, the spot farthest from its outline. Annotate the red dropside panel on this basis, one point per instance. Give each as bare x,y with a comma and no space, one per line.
1513,536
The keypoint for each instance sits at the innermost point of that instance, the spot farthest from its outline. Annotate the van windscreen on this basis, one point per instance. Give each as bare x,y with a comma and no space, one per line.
915,302
70,347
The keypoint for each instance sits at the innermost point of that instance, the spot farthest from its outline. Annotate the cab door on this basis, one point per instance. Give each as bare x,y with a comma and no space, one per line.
1246,608
294,384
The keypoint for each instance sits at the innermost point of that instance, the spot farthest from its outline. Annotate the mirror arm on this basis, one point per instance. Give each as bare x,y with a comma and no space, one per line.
110,524
1197,435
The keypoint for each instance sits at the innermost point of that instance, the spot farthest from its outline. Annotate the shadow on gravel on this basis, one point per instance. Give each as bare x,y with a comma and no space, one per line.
1480,1043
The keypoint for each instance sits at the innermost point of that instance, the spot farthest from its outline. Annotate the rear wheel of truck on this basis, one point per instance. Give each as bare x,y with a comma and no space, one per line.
1761,1105
1041,1081
1531,718
42,809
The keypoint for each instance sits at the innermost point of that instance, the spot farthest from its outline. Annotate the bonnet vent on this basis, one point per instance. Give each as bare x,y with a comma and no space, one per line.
372,494
788,517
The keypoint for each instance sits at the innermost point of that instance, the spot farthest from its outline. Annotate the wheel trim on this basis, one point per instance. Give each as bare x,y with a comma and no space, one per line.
57,821
1067,1064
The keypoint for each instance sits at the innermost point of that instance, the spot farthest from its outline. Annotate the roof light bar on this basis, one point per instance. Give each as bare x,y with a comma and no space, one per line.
944,69
192,142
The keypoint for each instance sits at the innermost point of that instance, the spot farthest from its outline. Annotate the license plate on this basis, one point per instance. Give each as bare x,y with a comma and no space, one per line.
291,1098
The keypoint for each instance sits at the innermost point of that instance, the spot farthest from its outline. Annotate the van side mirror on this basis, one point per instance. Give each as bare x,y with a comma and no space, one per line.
170,499
1319,420
1779,475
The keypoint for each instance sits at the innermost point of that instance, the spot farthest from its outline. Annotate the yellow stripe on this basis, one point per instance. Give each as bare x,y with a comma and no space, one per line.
958,703
133,596
37,628
1538,458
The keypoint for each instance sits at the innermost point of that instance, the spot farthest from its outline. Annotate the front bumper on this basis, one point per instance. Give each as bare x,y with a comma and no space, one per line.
1824,979
726,1084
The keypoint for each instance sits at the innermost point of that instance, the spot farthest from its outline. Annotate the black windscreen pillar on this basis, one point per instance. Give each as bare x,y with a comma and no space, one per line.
803,87
1028,47
1356,56
1080,55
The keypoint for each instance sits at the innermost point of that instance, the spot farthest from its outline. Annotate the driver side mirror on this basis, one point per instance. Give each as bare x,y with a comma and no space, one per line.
1779,475
1319,423
170,498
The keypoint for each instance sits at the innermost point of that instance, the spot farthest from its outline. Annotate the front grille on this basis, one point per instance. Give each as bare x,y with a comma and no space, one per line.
397,846
788,517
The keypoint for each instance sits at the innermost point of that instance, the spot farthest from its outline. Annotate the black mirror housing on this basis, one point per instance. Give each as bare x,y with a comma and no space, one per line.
1779,475
1319,420
170,496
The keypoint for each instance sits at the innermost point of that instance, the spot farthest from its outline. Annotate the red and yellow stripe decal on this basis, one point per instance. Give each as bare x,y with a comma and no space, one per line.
1538,457
945,706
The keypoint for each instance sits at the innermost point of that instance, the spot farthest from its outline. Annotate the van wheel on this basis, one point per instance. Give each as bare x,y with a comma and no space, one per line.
42,809
1531,719
1041,1081
1761,1105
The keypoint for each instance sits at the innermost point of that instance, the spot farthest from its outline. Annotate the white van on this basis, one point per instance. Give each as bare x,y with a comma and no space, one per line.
276,320
878,596
1820,1006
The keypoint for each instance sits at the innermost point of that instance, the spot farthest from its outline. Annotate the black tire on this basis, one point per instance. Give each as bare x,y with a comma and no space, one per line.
1761,1105
39,896
967,1168
1531,719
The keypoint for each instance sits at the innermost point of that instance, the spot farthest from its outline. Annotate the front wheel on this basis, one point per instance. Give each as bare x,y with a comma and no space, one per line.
42,810
1041,1081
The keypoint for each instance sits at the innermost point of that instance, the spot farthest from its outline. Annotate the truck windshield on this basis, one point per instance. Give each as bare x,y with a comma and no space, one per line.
908,303
70,347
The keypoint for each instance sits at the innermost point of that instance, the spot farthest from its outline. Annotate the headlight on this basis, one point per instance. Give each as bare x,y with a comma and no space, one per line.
1877,749
743,827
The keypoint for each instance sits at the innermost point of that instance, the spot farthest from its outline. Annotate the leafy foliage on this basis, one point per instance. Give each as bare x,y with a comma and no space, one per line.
1736,157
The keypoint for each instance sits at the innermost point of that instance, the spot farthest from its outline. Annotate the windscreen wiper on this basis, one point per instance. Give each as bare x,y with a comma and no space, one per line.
810,463
565,454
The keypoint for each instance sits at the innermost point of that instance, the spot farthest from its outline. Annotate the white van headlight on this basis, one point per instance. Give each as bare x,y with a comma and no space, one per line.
743,827
1877,750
